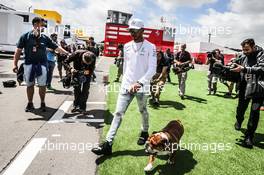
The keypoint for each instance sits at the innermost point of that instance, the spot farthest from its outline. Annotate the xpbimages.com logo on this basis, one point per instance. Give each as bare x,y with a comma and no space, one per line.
205,147
80,147
116,88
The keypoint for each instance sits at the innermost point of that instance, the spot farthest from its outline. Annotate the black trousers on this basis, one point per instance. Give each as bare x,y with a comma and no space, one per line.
254,112
168,72
81,93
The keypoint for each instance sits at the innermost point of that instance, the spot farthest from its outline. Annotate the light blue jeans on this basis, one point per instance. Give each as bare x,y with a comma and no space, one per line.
123,101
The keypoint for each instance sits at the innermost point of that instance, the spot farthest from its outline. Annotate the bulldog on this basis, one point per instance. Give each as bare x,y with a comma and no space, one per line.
164,142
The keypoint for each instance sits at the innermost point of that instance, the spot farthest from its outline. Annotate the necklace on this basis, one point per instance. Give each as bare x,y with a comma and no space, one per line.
135,49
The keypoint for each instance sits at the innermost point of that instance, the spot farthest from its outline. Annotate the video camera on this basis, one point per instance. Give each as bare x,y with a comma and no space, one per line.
74,79
209,54
177,69
225,73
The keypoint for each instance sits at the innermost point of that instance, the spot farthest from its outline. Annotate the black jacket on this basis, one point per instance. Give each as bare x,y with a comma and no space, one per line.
253,74
78,64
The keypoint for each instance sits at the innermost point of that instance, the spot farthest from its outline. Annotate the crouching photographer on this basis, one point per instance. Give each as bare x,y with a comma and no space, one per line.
251,69
83,67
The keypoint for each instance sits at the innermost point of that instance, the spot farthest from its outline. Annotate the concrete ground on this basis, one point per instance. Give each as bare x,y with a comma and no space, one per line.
53,142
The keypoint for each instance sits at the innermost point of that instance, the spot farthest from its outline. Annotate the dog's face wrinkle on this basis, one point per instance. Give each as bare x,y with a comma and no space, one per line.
156,142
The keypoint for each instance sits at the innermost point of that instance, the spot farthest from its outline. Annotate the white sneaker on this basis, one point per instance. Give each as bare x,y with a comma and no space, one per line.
23,83
149,167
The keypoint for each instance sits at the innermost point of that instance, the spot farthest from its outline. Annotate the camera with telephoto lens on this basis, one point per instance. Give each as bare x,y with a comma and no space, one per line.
74,79
78,78
224,72
184,67
210,56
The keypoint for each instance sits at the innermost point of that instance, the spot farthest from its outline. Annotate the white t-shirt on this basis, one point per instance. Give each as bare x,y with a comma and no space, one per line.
140,62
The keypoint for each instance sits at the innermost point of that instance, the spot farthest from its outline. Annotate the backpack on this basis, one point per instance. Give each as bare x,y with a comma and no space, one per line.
9,83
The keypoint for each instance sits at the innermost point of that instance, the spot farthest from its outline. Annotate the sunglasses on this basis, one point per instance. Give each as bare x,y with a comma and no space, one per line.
134,31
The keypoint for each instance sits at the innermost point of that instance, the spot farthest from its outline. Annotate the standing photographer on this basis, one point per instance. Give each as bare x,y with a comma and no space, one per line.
120,62
51,61
213,57
169,58
158,80
182,57
91,46
83,67
62,57
251,68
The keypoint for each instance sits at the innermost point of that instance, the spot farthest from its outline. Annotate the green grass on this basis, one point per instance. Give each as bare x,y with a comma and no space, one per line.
206,119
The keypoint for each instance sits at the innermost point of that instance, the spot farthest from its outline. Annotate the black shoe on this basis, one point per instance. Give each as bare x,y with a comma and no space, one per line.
248,142
155,102
43,107
30,107
182,97
214,92
82,111
143,138
237,126
116,80
75,109
104,148
228,95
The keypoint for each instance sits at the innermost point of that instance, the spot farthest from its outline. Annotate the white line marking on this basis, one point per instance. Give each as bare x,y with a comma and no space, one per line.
57,117
90,119
24,159
61,111
55,135
83,120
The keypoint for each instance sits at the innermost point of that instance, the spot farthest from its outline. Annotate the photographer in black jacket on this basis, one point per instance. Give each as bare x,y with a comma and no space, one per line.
83,67
213,57
91,46
251,67
182,58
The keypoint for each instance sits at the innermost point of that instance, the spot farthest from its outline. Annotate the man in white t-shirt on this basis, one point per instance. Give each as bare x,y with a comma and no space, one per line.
140,64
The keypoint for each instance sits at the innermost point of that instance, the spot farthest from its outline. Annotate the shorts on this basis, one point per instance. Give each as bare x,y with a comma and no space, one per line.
41,80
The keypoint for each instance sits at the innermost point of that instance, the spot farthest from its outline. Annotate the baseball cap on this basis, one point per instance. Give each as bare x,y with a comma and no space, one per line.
135,24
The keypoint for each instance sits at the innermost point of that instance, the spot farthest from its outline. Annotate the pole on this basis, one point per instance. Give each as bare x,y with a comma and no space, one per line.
209,39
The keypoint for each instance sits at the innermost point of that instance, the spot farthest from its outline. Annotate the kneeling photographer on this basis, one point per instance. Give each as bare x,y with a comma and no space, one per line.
251,69
83,67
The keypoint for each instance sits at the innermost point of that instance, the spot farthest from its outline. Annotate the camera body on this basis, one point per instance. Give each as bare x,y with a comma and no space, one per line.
78,78
210,56
74,79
